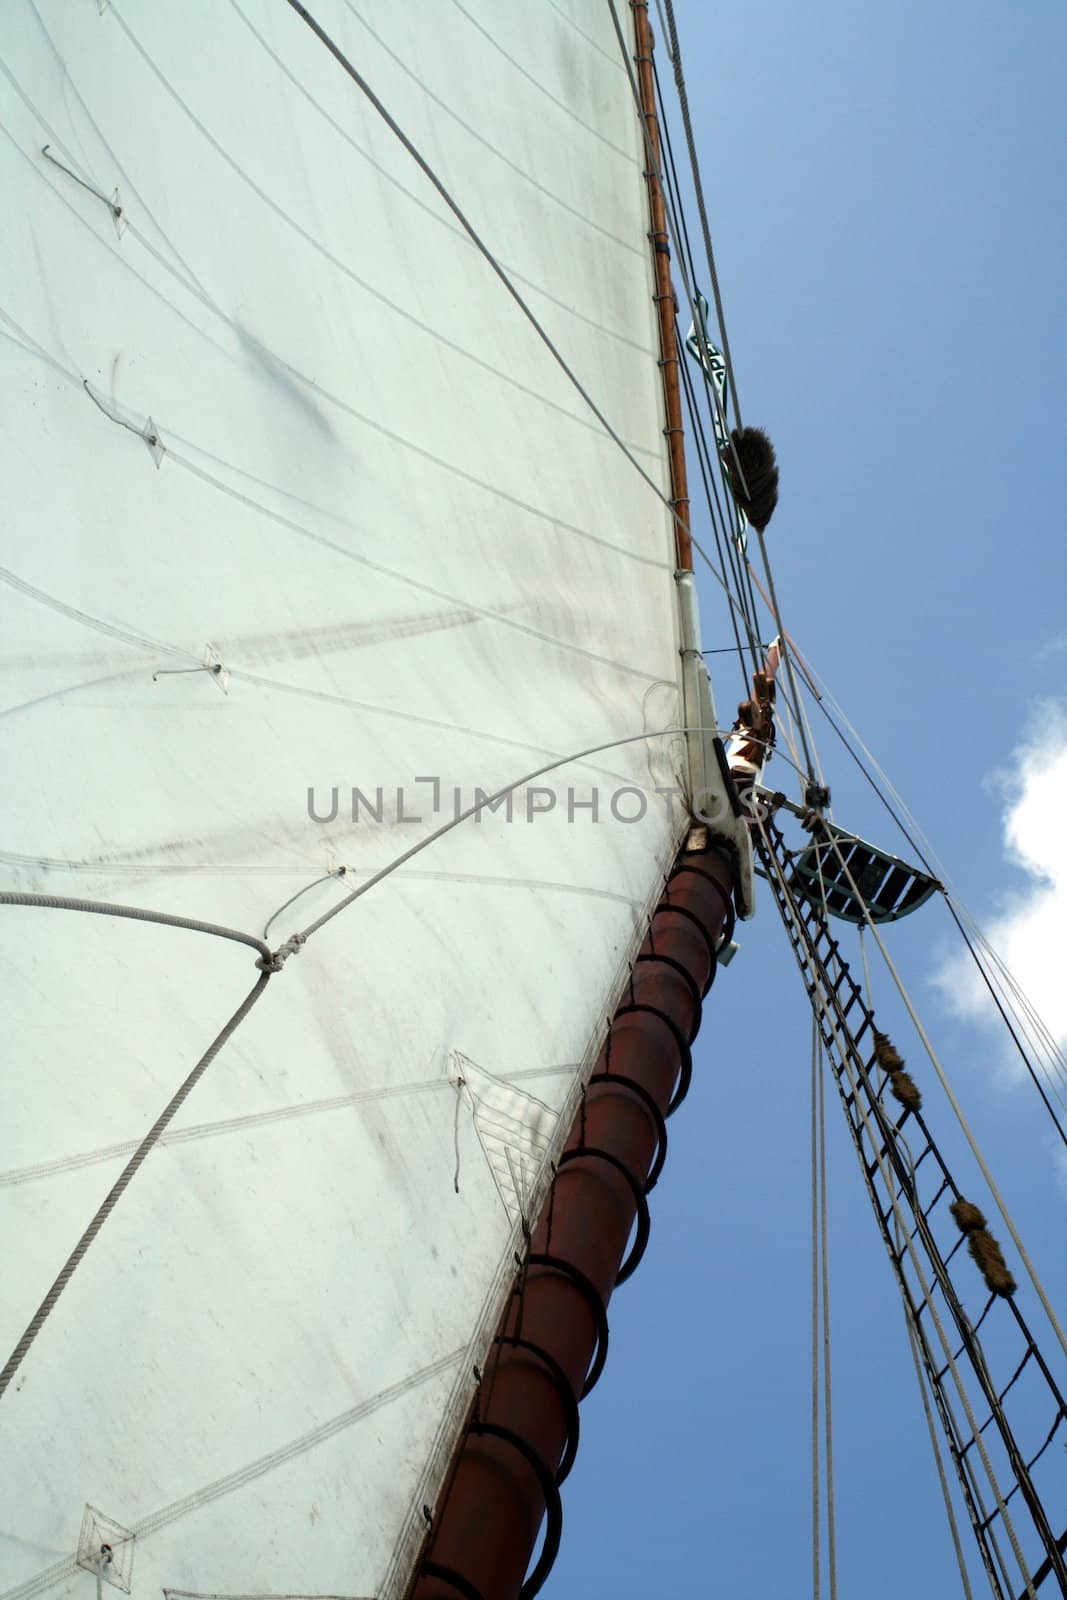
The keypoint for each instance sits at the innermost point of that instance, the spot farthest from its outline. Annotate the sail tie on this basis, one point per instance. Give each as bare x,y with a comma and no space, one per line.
149,433
112,204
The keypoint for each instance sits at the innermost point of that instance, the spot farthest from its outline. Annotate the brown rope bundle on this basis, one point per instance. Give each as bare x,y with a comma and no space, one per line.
987,1255
902,1087
755,453
984,1250
886,1053
968,1217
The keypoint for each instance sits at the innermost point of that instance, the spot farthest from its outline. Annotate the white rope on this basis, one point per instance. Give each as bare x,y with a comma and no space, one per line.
837,1027
900,1226
490,800
919,841
1022,1007
953,1102
783,645
919,1374
938,1460
493,263
815,1562
868,992
831,1540
663,25
789,734
811,739
903,1236
675,52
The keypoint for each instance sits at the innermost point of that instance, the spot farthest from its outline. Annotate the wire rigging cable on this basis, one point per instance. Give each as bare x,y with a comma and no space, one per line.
745,606
911,1332
953,1102
1022,1018
883,1141
475,238
967,928
820,1312
969,1343
713,400
824,1259
992,982
499,271
675,52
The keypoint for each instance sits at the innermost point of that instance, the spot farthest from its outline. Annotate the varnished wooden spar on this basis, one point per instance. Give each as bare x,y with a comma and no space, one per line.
664,295
552,1339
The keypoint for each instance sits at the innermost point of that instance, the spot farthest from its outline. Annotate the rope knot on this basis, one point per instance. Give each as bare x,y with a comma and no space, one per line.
275,961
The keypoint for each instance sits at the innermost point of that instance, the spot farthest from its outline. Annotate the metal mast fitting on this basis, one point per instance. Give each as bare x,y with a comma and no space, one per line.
552,1340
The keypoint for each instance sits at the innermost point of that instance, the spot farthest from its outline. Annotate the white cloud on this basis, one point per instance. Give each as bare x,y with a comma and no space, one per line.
1029,929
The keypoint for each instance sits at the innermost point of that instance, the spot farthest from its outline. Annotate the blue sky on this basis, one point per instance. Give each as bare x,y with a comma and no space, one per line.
886,192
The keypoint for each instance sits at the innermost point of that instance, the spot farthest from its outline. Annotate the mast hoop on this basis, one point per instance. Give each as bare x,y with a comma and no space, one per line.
644,1220
686,976
713,950
730,915
648,1100
434,1569
562,1384
553,1504
592,1297
685,1078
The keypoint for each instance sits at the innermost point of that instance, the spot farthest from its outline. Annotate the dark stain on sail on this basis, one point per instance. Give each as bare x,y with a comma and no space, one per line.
283,380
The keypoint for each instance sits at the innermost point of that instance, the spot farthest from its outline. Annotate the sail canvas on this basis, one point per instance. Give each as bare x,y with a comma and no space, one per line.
311,541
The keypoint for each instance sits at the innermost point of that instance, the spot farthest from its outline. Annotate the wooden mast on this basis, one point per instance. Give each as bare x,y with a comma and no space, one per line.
666,306
549,1349
552,1340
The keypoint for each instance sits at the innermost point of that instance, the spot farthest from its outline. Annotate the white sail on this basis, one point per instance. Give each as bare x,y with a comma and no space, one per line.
295,498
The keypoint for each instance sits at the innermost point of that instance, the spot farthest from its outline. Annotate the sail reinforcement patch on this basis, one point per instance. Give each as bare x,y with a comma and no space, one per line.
106,1548
514,1130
